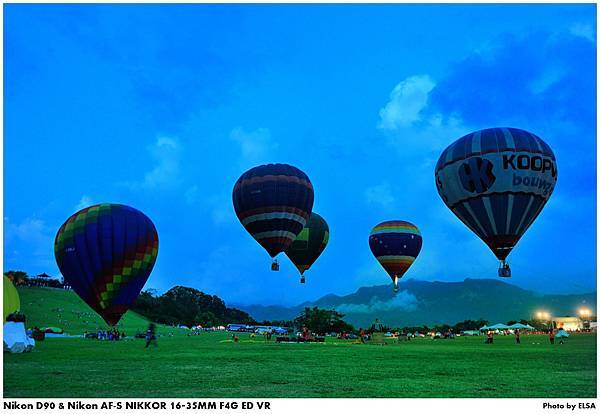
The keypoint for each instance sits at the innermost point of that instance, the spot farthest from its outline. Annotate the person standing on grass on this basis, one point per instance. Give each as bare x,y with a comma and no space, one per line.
151,335
490,337
518,336
551,335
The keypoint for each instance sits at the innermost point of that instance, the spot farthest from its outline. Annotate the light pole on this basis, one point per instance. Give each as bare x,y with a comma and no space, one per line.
544,317
585,314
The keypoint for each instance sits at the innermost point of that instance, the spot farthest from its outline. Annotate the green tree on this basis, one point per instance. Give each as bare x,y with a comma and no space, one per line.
17,277
322,321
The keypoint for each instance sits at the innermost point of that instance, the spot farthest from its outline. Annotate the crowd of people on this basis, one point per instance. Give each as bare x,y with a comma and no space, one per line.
561,335
106,335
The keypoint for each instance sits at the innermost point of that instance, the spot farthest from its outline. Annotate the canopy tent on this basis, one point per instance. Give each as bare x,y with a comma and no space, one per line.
562,334
521,326
499,326
16,339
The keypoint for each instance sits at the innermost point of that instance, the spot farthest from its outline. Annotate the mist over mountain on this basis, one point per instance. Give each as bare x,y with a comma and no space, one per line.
421,302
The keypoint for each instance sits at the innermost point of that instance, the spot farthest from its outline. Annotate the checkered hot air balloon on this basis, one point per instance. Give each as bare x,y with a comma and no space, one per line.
395,244
497,181
106,253
273,202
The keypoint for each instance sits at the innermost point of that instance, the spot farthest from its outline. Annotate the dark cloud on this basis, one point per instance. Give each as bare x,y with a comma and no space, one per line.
539,78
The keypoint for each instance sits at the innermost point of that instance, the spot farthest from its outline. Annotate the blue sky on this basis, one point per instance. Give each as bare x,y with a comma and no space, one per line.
163,107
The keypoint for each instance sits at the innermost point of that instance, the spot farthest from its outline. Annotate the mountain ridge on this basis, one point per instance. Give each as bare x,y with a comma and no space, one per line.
434,302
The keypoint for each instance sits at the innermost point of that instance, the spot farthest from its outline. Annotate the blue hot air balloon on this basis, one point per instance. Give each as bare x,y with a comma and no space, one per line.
497,181
106,253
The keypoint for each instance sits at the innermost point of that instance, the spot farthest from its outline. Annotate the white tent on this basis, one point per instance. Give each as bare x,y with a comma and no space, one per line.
520,326
499,326
16,339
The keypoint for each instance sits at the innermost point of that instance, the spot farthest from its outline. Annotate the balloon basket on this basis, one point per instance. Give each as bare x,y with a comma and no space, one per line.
275,266
504,270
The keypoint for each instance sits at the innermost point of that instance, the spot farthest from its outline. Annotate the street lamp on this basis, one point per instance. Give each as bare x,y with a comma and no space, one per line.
543,316
585,315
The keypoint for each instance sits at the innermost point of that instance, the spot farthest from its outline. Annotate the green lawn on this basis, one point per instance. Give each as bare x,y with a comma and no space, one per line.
211,365
64,309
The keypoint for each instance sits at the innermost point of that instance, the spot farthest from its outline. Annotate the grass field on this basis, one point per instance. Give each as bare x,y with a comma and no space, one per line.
64,309
211,365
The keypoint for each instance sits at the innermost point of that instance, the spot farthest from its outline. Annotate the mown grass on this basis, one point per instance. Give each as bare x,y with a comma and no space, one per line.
211,365
45,307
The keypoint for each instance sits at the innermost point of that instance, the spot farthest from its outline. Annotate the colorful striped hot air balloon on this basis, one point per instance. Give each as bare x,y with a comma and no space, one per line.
273,202
309,244
106,253
395,244
497,181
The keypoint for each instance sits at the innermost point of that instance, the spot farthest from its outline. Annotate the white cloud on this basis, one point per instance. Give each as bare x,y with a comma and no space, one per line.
29,230
408,121
84,201
403,300
583,30
407,100
166,172
29,244
547,78
256,146
380,195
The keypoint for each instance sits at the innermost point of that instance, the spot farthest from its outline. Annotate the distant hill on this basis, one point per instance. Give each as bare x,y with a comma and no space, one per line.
50,307
421,302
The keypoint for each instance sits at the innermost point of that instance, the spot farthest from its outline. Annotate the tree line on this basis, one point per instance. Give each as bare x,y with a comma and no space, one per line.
189,307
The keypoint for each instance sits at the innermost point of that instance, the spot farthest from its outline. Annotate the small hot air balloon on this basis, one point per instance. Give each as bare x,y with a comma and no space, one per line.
497,181
106,253
10,298
273,202
395,244
309,244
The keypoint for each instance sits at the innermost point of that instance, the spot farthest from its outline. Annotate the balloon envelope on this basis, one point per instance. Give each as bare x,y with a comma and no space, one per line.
395,244
106,253
497,181
273,202
309,244
10,297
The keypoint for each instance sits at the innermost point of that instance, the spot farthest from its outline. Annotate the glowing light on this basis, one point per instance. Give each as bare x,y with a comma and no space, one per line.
584,312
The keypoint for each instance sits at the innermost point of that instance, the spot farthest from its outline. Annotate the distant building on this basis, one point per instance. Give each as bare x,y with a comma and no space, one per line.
568,323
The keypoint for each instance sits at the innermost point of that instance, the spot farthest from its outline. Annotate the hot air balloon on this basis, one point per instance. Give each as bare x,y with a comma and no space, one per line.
309,244
273,202
106,253
497,181
395,244
10,298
